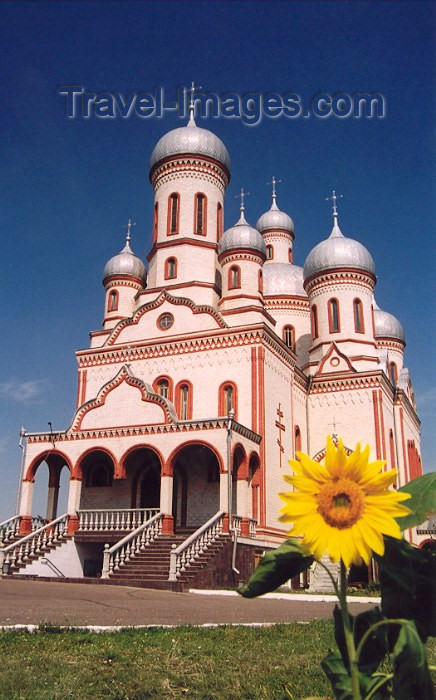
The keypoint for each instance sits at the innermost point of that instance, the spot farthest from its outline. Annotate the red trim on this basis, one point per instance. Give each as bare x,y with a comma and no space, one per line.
160,378
403,440
239,463
197,242
167,275
180,156
253,390
238,296
269,249
204,217
231,283
174,196
112,300
219,221
79,388
169,466
261,375
83,389
330,315
244,253
358,303
222,408
333,274
36,461
178,398
155,222
376,423
382,424
314,321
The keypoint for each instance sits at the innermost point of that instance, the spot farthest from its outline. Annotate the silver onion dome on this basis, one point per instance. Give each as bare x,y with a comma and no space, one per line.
283,279
338,251
275,219
387,325
125,264
242,235
193,140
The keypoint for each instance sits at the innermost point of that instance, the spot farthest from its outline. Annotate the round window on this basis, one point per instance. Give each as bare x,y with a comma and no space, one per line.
165,321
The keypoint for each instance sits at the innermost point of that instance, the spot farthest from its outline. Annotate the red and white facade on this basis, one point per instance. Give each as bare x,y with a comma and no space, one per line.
223,320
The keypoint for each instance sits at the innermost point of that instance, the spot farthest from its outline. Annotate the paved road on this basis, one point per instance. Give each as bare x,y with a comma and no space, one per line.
32,602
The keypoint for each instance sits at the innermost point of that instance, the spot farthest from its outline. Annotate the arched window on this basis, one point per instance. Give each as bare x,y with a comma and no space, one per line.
155,221
290,255
297,438
219,221
200,214
333,310
173,214
260,281
393,373
359,326
112,302
314,321
184,400
164,387
269,252
170,268
392,449
234,277
227,398
289,336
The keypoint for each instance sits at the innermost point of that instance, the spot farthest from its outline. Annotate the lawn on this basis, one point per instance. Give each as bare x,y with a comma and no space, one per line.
222,663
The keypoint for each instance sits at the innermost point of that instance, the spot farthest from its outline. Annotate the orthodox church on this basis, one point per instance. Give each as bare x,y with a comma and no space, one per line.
210,371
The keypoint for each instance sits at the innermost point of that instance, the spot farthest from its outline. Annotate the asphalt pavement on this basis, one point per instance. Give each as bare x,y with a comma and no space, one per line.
30,602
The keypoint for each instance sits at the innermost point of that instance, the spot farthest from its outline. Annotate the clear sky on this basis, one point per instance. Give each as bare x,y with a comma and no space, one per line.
69,185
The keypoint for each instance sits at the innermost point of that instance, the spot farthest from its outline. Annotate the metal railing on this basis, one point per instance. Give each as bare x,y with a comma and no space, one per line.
194,545
34,543
114,519
123,551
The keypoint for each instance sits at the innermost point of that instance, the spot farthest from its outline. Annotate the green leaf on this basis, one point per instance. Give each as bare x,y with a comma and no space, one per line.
375,647
277,567
412,680
406,584
423,501
335,670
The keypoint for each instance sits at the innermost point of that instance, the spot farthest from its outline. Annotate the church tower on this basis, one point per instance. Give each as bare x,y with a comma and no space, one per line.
189,171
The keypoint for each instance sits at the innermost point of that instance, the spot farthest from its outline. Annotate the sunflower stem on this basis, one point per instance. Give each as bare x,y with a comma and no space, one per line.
349,636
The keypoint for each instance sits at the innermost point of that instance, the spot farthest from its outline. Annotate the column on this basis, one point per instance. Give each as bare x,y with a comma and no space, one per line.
73,504
166,504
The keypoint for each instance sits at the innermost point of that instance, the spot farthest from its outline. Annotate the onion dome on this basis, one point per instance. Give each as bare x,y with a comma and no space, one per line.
125,264
283,279
387,325
242,235
193,140
338,251
274,218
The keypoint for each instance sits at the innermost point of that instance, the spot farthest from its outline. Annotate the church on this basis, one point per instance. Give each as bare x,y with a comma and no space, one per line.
212,368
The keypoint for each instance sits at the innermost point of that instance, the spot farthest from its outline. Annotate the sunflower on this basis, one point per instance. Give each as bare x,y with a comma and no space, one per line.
343,506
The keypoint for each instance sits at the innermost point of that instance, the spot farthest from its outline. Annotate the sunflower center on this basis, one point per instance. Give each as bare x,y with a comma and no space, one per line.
341,503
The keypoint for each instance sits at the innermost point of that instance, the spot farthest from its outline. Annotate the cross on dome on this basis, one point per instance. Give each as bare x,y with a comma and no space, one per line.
128,226
274,182
192,90
334,198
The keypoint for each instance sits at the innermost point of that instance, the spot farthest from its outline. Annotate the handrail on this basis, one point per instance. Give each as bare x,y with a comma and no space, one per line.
52,566
35,542
121,552
9,528
194,545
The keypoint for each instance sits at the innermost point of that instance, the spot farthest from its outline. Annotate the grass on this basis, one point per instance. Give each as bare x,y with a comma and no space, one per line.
225,663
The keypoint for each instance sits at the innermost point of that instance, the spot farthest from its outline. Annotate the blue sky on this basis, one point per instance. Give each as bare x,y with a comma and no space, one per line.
69,185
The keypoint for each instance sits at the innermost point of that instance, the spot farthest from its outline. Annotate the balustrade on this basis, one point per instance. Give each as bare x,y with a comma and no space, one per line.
114,519
123,551
196,544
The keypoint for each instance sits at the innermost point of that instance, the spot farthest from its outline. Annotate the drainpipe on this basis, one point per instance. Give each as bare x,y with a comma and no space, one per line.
232,530
20,479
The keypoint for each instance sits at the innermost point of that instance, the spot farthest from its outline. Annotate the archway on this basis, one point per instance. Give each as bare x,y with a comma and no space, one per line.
196,486
254,482
97,469
143,471
240,479
48,476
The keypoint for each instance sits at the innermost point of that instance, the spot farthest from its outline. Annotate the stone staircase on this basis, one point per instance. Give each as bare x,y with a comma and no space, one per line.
150,568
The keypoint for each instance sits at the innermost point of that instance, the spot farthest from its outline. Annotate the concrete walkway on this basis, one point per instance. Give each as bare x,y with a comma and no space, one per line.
33,602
